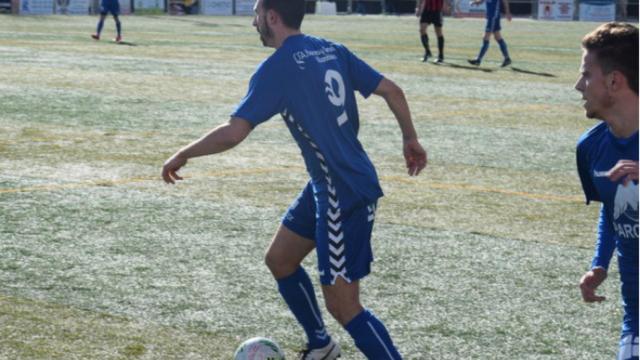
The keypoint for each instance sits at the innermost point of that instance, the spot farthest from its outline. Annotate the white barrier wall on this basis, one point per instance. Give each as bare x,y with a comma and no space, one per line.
36,7
244,7
600,11
560,10
148,4
71,7
216,7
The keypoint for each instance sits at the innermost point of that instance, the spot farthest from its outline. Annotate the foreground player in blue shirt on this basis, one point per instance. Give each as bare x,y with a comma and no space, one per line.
493,27
607,158
311,82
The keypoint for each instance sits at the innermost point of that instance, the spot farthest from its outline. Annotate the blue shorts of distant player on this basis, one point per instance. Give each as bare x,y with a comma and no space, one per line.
493,24
342,236
110,6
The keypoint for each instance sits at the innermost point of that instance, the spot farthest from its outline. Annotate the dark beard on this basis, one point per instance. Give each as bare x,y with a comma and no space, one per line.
265,34
607,103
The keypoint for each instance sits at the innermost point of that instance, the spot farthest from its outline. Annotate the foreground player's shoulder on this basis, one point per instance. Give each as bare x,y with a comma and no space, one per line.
592,136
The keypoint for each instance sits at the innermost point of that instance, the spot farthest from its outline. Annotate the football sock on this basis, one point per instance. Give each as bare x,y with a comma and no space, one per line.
425,42
503,48
297,291
118,25
483,49
371,337
441,47
100,25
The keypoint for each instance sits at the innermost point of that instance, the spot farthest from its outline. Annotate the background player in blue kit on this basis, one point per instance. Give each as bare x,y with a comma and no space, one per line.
493,27
607,157
106,7
311,82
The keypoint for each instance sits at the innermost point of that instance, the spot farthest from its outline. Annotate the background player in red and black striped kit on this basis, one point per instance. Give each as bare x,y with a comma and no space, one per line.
430,12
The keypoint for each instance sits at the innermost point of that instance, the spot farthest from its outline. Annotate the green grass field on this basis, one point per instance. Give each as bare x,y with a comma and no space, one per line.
478,258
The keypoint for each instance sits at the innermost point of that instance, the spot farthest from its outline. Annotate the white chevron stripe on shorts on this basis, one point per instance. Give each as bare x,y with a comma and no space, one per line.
335,234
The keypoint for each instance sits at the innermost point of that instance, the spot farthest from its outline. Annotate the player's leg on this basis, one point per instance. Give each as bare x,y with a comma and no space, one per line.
291,244
368,332
424,38
438,29
100,25
484,47
116,18
503,48
343,245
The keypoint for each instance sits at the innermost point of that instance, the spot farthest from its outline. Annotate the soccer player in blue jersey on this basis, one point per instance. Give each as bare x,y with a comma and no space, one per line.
106,7
607,157
311,83
493,27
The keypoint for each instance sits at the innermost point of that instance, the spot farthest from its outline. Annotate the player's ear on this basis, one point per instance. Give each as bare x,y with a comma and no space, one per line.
616,81
272,17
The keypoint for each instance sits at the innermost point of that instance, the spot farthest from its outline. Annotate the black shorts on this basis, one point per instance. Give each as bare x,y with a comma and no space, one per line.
431,17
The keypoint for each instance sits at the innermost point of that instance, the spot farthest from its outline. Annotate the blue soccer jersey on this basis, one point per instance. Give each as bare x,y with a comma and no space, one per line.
311,83
598,151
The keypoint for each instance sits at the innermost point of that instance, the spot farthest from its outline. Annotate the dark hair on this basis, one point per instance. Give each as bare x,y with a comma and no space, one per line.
291,11
615,45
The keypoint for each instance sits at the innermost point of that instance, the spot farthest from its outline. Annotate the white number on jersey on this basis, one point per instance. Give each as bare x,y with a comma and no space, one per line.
337,96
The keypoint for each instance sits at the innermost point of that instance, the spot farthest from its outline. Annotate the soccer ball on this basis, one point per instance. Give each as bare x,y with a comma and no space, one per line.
259,348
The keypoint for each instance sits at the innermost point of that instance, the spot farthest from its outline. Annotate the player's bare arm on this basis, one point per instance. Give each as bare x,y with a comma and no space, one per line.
624,169
507,11
222,138
419,5
590,282
415,156
476,2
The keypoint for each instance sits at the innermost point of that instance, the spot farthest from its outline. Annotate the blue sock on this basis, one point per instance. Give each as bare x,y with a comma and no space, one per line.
371,337
297,291
118,27
483,49
100,25
503,48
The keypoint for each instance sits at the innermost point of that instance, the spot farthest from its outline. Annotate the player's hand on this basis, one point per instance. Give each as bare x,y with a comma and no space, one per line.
590,282
171,167
509,17
414,156
626,170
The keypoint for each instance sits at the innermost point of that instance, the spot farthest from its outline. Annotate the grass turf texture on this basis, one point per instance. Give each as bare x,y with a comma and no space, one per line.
478,258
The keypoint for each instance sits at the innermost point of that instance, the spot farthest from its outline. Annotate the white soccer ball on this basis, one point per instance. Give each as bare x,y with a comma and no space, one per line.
259,348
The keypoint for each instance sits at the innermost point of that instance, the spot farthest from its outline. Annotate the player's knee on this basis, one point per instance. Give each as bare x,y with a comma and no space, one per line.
343,311
278,265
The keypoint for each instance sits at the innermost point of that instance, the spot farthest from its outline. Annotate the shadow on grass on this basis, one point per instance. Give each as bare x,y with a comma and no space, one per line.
466,67
196,22
523,71
126,43
489,70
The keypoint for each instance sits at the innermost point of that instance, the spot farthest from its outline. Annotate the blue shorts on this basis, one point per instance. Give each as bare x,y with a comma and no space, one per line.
342,236
493,24
110,6
628,349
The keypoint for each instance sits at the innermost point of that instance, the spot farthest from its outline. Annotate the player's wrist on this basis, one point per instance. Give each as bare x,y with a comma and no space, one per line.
599,271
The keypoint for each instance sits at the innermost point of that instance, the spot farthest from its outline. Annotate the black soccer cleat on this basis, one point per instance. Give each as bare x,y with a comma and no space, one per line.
506,62
439,60
475,62
426,56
